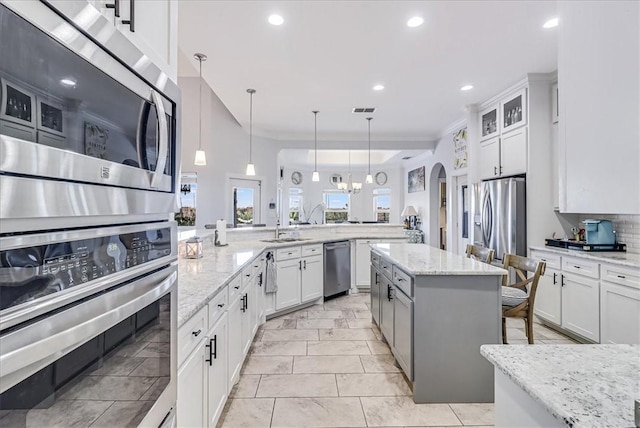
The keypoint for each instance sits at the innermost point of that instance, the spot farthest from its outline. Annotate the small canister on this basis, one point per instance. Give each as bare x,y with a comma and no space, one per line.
193,248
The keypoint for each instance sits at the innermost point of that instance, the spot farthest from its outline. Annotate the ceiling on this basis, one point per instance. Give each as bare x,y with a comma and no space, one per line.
328,55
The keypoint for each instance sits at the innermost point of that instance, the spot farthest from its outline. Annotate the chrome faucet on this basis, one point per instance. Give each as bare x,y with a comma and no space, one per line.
278,233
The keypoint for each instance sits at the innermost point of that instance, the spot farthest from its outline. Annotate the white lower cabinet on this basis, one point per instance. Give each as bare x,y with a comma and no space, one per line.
581,306
312,278
216,360
363,262
192,390
620,305
235,340
289,273
549,296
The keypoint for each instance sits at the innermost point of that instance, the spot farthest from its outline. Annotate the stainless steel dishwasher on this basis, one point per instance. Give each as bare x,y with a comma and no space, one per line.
337,267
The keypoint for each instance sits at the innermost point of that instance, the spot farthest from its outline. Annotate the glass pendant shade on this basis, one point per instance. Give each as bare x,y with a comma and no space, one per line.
201,158
315,176
369,179
251,169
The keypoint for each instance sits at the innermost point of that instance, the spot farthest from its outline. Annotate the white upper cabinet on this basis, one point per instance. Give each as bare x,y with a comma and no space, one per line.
152,25
503,136
599,75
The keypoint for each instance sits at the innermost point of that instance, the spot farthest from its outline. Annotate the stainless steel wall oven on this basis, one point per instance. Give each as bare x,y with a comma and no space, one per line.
89,155
87,323
88,125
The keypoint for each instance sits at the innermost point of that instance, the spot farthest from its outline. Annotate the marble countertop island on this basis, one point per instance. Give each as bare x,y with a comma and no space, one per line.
579,385
421,259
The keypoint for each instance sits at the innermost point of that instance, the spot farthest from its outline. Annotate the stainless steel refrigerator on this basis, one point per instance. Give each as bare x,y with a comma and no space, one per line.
500,216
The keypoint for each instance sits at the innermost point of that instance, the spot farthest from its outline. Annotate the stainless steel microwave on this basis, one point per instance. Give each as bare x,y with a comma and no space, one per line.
89,127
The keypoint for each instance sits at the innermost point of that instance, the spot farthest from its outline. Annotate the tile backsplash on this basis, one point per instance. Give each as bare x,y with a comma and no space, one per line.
627,228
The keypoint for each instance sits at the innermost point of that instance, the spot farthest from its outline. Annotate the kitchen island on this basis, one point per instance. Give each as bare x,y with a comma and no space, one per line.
565,385
436,309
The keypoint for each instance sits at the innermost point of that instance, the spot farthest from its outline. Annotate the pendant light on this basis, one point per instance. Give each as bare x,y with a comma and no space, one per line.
251,169
369,179
315,176
201,157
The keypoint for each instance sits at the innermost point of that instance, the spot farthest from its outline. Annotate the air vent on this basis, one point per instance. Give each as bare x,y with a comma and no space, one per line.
363,109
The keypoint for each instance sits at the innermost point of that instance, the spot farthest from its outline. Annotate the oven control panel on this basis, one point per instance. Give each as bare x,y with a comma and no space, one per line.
32,272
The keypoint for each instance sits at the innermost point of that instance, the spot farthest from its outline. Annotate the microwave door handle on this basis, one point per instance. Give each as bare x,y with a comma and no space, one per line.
163,138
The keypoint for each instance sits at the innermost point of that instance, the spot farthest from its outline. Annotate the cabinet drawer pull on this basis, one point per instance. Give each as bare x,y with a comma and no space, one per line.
577,267
248,275
544,260
237,287
221,305
621,276
400,279
196,333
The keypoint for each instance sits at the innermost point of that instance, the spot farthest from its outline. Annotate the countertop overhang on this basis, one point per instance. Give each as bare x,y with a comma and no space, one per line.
613,257
582,385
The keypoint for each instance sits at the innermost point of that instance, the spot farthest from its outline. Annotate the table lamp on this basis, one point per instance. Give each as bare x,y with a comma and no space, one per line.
410,213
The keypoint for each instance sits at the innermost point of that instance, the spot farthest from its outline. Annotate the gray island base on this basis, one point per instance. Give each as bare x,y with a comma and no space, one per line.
436,309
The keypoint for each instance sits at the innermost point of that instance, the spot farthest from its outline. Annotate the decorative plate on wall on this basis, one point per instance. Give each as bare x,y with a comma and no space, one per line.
335,179
296,177
381,178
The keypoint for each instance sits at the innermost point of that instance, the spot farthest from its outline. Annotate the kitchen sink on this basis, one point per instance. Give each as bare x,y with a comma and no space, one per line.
284,240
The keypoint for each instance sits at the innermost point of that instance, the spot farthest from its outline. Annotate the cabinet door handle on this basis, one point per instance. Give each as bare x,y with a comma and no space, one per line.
621,276
260,279
115,5
554,278
500,169
495,170
213,351
196,333
389,293
132,16
562,280
299,264
305,265
246,301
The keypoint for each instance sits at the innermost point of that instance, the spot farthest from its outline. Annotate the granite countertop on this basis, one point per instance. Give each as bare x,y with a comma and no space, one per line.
421,259
581,385
200,280
613,257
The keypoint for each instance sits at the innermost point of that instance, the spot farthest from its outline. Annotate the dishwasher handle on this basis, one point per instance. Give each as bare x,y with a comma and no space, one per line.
336,245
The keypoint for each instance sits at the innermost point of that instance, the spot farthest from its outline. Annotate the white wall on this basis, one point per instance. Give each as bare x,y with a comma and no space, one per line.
361,204
227,147
423,201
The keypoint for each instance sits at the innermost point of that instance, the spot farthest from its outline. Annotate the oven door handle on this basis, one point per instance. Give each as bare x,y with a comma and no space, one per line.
163,139
29,349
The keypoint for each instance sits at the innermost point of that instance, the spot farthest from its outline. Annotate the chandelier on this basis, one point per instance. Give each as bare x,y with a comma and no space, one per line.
350,186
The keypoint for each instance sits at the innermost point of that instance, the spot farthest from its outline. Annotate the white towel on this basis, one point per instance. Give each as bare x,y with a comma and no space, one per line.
271,283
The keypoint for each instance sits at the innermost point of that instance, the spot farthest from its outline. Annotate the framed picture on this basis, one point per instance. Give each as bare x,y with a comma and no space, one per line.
460,148
416,180
50,116
96,138
18,105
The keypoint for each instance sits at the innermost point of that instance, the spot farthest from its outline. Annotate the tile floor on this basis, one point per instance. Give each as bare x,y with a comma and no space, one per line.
326,366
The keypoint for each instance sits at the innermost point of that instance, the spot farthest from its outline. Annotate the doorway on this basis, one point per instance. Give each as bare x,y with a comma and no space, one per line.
438,207
461,213
245,202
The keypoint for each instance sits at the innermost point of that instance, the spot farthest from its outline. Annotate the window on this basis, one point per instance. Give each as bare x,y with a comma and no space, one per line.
337,206
295,204
382,205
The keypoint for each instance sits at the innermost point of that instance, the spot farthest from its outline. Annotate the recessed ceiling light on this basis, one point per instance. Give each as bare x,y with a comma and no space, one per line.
466,88
276,20
553,22
416,21
378,87
68,82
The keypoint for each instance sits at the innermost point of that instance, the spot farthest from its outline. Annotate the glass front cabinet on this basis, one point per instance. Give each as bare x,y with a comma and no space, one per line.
514,111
